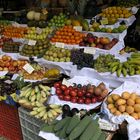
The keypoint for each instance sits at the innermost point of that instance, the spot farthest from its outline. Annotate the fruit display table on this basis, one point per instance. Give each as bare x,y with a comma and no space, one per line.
73,78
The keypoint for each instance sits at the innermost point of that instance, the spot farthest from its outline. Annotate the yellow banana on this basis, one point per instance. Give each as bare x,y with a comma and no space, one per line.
33,113
58,110
54,106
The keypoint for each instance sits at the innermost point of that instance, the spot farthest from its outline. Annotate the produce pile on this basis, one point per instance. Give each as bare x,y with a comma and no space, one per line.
127,104
57,54
58,21
98,42
75,128
8,64
101,64
119,29
14,32
81,59
59,48
108,63
37,33
116,12
34,95
127,3
37,74
10,46
7,87
35,50
67,35
86,94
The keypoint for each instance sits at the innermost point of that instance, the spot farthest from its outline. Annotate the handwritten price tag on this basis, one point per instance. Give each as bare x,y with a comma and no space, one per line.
78,28
66,82
8,81
90,50
104,21
28,68
38,30
60,45
32,42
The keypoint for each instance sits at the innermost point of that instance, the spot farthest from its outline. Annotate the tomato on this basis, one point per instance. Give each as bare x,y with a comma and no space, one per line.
73,93
67,98
70,87
94,100
80,93
57,85
67,92
87,101
61,97
63,87
80,101
58,91
89,95
74,100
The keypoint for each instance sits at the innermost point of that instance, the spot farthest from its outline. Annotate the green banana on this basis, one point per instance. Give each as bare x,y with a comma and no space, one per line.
124,72
119,72
114,69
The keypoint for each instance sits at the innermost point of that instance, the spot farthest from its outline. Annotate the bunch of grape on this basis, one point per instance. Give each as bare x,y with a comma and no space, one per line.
81,59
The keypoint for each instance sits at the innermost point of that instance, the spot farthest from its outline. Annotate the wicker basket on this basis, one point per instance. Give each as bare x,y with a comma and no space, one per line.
9,122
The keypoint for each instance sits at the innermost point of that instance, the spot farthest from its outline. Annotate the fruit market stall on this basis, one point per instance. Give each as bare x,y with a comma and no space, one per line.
66,77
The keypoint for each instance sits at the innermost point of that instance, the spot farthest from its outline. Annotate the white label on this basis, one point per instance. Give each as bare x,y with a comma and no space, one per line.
38,30
66,82
32,42
28,68
15,76
91,50
8,81
105,125
134,10
60,45
78,28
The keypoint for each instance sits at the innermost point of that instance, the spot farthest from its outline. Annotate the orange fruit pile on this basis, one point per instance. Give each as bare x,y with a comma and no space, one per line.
15,32
68,35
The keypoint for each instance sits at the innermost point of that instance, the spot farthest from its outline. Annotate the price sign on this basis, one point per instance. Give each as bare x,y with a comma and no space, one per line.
66,82
91,50
38,30
60,45
44,11
8,81
32,42
28,68
78,28
104,21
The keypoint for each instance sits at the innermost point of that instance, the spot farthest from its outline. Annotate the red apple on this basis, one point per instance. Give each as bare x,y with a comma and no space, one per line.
87,101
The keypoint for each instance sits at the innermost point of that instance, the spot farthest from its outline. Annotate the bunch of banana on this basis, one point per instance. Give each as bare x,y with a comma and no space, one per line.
46,113
130,67
34,93
128,50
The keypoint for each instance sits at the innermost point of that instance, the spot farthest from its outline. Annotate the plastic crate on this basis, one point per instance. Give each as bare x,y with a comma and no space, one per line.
30,125
9,122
